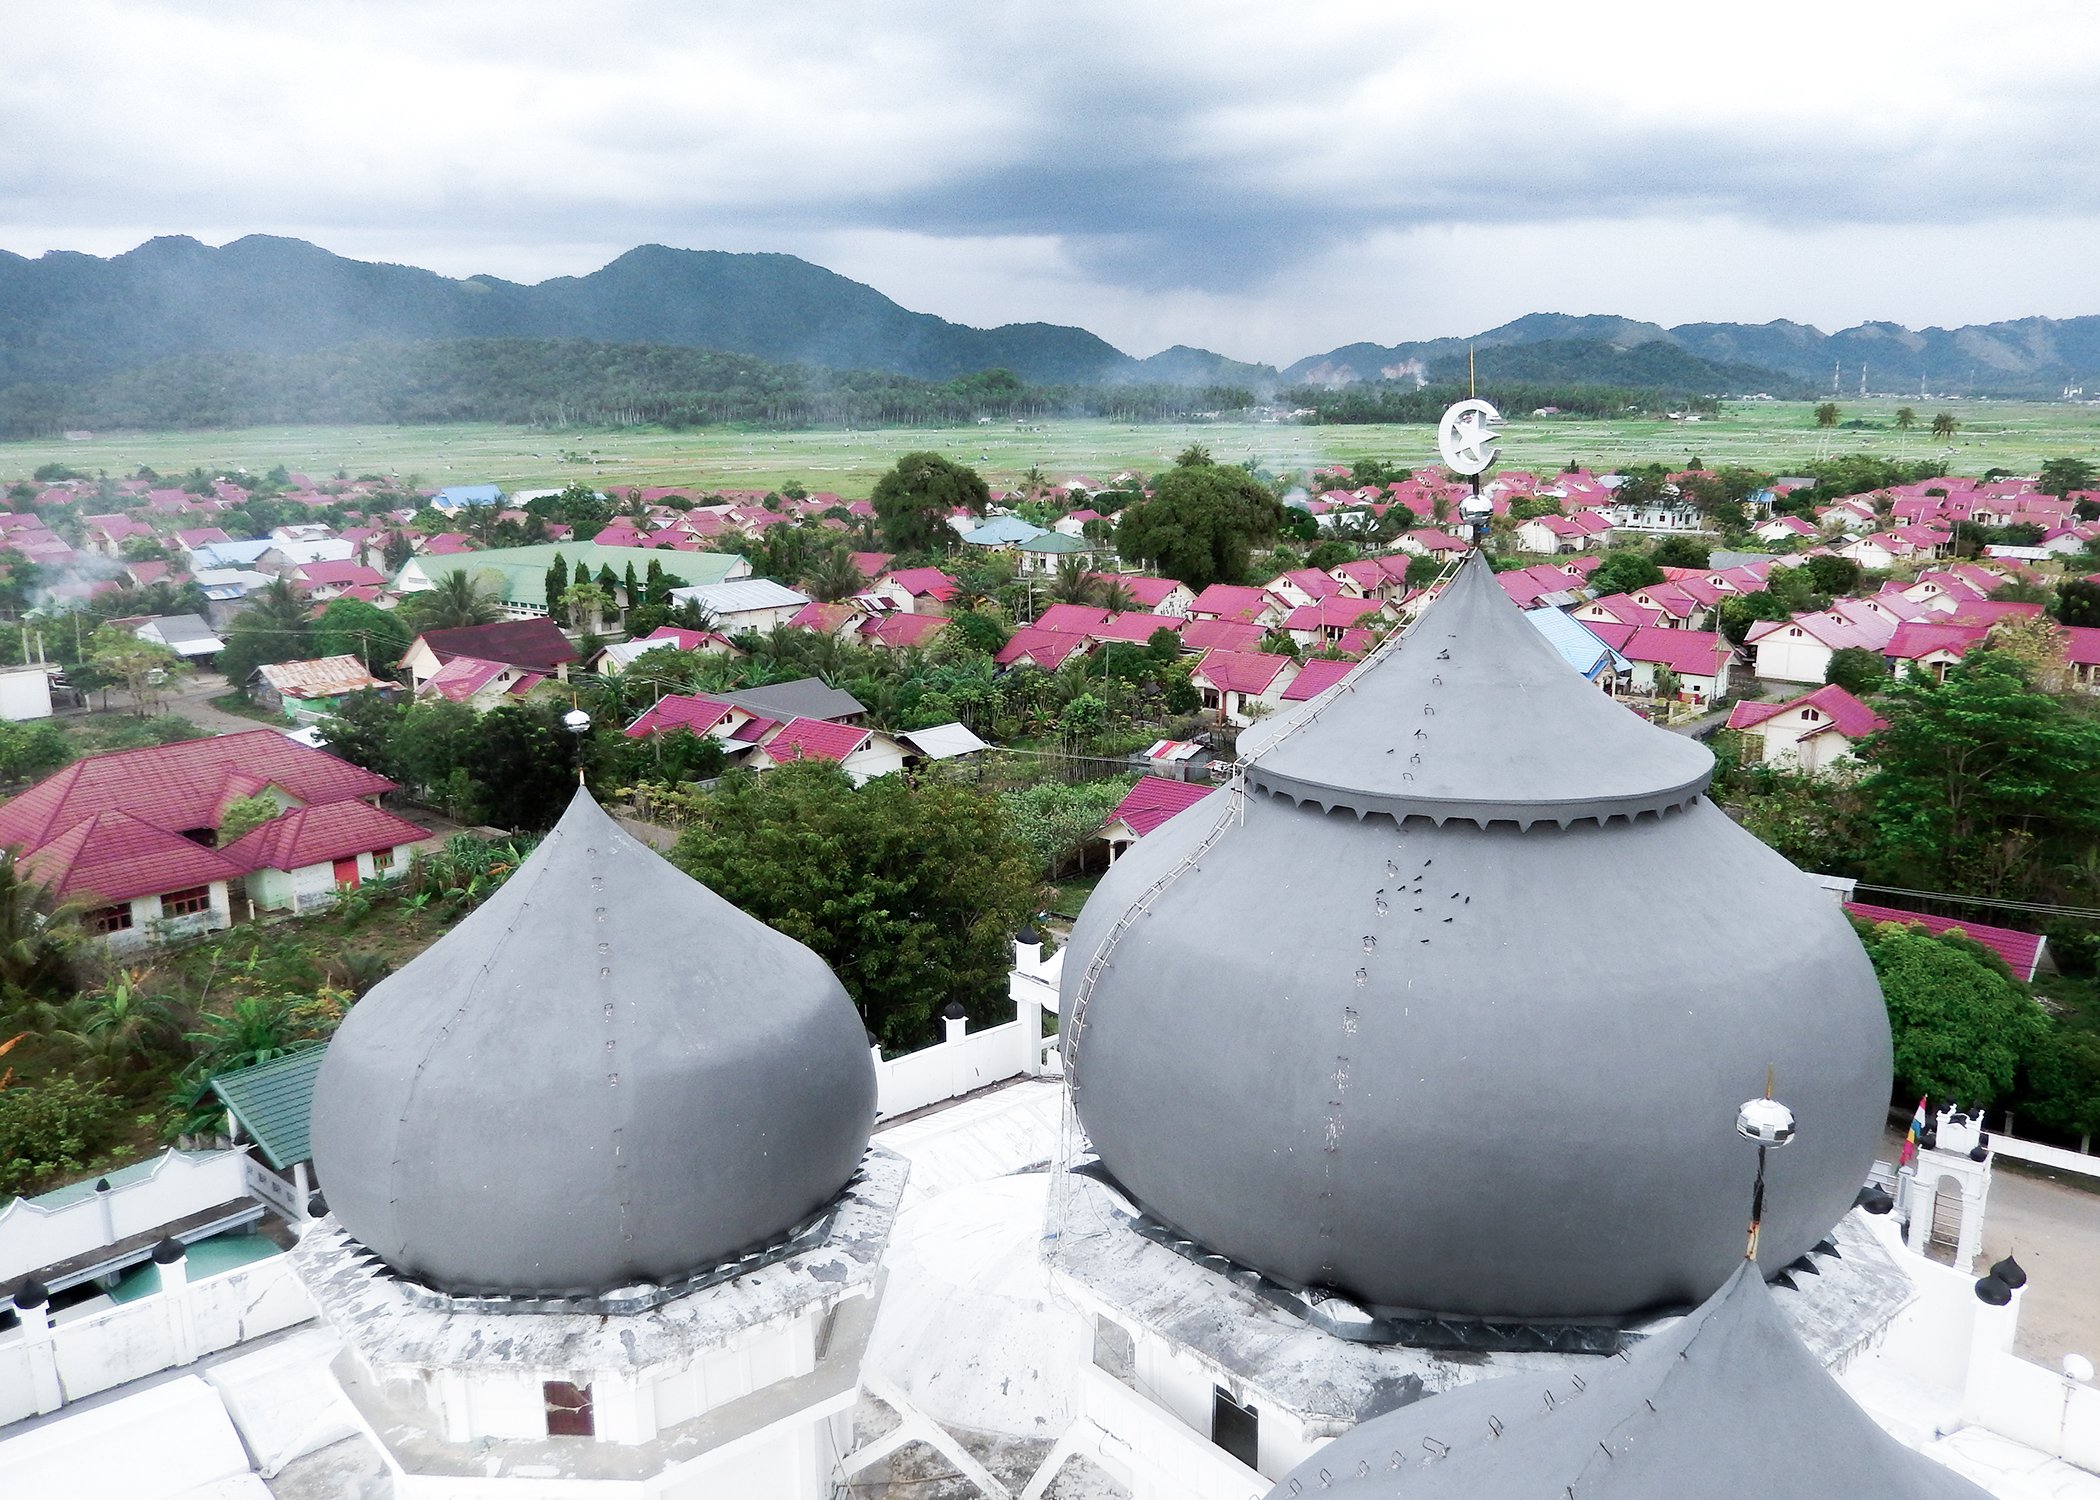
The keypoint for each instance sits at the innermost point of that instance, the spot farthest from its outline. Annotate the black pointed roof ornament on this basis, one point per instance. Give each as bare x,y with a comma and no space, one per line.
2011,1272
167,1250
1989,1289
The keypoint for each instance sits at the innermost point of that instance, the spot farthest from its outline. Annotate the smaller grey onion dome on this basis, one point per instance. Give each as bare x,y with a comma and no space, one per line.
1028,934
1874,1199
102,1185
1993,1291
317,1204
605,1075
1726,1402
1979,1153
29,1292
2011,1272
953,1011
168,1251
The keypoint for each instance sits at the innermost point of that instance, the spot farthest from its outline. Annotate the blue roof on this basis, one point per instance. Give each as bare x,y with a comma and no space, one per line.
1003,532
230,554
466,494
1576,645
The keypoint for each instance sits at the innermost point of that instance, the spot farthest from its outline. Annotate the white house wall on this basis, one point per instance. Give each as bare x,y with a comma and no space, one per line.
1782,657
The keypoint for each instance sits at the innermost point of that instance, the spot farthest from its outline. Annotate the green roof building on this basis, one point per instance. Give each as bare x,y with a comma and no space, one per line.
519,574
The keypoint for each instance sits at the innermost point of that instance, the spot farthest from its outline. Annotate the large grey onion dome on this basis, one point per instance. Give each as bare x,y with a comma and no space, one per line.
1471,1041
605,1075
1726,1402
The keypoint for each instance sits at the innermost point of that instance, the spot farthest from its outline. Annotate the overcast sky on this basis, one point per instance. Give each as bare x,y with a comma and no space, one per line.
1268,180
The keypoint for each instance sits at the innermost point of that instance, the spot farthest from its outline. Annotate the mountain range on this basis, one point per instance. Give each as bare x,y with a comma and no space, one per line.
70,320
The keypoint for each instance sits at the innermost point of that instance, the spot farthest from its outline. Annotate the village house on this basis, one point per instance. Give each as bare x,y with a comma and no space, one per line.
1699,660
1147,805
307,691
530,645
745,605
1238,603
862,753
517,576
1799,650
481,685
1785,529
133,835
1812,733
1332,621
1928,649
620,655
916,591
1240,686
1159,596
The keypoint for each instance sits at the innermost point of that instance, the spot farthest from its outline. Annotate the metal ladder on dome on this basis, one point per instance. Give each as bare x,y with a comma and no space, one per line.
1235,811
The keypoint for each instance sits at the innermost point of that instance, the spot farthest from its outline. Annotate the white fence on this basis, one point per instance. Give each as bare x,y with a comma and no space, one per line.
180,1184
964,1060
43,1368
2056,1158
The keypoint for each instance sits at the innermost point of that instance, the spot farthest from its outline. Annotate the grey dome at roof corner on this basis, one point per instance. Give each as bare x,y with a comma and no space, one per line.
605,1075
1728,1402
1453,1010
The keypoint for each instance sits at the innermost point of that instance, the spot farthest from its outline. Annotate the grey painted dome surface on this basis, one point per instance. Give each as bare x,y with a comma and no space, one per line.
1472,1070
1725,1403
606,1074
1450,725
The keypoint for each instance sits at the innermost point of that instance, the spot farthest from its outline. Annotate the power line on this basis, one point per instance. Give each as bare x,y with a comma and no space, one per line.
2043,908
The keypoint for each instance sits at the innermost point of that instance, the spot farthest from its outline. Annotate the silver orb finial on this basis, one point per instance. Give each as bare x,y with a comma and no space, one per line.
1466,437
576,721
1765,1121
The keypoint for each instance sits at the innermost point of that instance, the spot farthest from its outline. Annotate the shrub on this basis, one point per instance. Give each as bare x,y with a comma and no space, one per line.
51,1128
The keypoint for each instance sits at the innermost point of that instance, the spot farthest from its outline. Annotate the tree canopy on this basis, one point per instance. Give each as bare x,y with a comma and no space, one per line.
914,500
1959,1021
1200,525
910,891
1979,775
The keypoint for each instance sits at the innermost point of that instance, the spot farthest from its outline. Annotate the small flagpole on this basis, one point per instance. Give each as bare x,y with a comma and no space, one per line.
1471,388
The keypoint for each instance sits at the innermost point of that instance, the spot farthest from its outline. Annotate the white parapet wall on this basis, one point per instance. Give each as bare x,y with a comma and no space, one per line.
181,1184
964,1061
43,1368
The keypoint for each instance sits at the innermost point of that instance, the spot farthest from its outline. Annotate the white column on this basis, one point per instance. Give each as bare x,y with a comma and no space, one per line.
33,1307
172,1261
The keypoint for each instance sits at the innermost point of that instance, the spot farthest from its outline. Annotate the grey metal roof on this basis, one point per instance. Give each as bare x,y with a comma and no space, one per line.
272,1101
1458,1064
1473,715
1727,1402
943,741
804,698
605,1075
741,594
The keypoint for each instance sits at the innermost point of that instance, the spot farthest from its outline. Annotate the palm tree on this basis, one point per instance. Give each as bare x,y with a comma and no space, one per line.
1074,584
833,577
258,1029
1906,418
1113,595
1827,414
1944,425
116,1024
39,932
636,511
460,598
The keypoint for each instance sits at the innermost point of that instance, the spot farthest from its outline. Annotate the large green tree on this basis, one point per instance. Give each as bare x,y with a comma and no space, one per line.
1976,776
1200,525
1623,571
274,627
909,890
351,627
914,500
1960,1023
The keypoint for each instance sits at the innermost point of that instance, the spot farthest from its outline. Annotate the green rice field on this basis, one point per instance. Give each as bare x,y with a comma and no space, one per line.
1773,436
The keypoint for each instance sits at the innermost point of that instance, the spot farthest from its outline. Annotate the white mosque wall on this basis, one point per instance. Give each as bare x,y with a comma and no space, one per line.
180,1184
42,1369
2056,1158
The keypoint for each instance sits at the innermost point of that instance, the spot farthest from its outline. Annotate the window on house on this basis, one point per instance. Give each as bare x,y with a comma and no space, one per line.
382,859
107,919
1235,1428
186,903
568,1409
1809,715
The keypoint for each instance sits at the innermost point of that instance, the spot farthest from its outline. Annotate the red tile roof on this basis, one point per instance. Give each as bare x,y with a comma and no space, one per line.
1840,710
814,739
1315,677
1045,648
462,677
1699,652
2022,951
1250,672
1154,800
681,711
314,835
900,631
1149,592
114,856
1337,610
181,786
930,583
1233,601
1228,635
538,644
1914,639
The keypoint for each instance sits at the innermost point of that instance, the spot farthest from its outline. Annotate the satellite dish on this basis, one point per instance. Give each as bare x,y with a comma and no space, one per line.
1465,436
